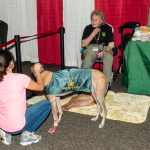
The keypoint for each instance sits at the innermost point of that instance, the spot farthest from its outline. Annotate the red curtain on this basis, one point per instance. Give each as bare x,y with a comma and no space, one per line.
120,11
49,18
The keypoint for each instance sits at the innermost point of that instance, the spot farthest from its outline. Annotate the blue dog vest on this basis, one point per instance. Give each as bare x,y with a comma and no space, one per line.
69,80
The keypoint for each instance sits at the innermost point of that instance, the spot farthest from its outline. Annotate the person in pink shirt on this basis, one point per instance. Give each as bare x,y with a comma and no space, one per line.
15,116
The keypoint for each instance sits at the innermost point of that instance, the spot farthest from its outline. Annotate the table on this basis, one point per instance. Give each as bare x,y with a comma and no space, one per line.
137,67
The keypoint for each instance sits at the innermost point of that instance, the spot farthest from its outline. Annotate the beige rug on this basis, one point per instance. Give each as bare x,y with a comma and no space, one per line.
120,106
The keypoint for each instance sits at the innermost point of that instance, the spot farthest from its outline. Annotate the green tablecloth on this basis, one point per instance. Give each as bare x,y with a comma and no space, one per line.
137,72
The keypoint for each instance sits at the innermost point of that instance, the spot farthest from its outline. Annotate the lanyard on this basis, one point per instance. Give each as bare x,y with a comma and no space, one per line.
97,38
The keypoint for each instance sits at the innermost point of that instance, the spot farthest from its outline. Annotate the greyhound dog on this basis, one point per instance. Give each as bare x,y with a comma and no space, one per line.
57,84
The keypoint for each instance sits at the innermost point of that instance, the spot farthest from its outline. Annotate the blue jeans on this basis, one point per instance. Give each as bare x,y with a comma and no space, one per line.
35,116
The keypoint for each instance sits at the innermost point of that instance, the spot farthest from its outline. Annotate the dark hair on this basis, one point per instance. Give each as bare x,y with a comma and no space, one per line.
99,13
5,58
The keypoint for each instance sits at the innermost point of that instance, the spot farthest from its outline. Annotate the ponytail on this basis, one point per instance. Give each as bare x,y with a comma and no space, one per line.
1,71
5,58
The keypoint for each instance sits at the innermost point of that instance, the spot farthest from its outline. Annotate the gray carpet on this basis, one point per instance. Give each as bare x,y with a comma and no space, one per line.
78,132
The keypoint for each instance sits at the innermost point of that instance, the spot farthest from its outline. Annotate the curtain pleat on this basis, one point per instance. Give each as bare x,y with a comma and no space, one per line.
49,18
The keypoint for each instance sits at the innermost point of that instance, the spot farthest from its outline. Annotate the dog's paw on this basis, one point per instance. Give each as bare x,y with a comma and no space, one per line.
94,118
52,129
101,125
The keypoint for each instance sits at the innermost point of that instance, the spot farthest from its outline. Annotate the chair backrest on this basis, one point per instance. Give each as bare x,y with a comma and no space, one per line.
111,27
131,25
127,30
3,31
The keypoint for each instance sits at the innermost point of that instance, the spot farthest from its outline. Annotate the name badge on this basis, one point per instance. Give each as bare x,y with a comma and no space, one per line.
95,49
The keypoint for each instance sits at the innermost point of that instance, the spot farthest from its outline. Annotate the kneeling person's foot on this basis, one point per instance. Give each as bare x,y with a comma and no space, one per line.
5,137
28,138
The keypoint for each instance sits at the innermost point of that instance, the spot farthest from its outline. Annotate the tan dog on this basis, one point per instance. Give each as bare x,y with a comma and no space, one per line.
98,90
80,100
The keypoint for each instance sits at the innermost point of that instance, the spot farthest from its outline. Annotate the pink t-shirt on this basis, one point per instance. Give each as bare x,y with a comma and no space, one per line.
13,101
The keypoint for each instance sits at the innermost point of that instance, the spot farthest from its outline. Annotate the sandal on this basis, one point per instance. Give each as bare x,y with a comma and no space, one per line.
52,129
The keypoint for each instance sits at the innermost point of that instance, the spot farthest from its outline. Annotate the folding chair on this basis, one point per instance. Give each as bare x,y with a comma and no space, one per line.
126,31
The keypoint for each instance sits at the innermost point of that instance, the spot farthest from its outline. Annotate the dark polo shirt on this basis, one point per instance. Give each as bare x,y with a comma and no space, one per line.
106,35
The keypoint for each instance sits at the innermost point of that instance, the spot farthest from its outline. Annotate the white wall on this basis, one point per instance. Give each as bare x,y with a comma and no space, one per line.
76,16
20,15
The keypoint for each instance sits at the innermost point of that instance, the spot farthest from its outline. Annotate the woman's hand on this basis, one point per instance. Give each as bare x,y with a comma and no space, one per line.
39,85
37,68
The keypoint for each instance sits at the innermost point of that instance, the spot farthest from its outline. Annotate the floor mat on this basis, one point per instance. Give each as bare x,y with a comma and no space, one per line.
120,106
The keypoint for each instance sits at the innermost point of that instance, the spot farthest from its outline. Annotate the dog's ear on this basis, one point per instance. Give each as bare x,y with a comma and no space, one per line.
33,76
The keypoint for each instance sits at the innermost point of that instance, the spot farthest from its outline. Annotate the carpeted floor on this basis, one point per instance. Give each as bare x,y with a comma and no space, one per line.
78,132
125,107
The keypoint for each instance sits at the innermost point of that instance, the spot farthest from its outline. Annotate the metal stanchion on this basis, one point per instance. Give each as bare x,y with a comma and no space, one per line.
62,31
18,54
